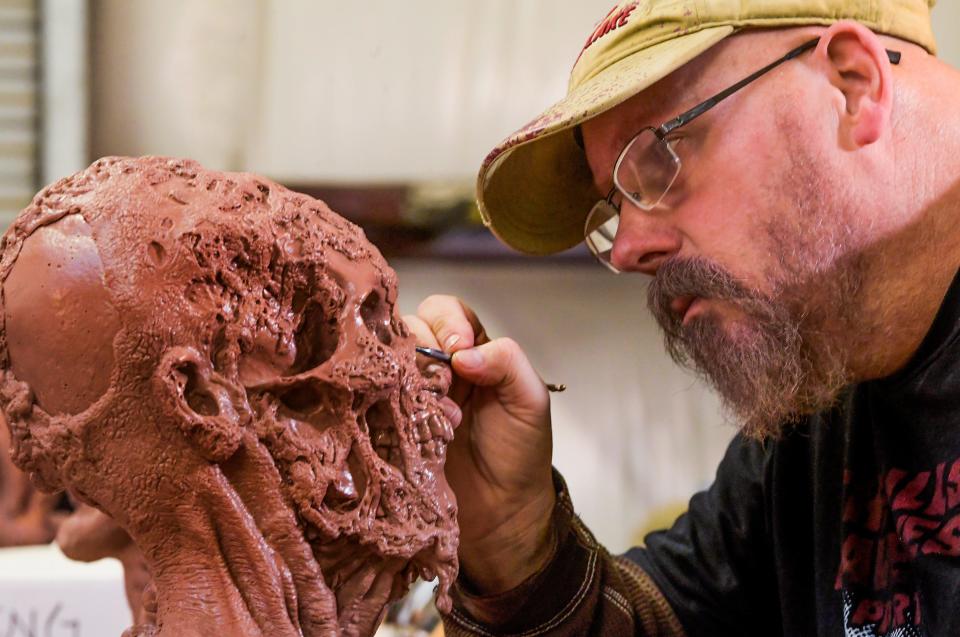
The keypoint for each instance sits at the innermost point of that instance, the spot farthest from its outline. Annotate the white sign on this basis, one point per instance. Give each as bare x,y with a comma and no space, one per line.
44,594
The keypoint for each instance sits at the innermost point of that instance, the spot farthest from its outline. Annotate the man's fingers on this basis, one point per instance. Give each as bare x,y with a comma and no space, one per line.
439,374
455,325
501,363
423,333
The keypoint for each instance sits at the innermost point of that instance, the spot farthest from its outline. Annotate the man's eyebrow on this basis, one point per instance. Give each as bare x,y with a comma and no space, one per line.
673,103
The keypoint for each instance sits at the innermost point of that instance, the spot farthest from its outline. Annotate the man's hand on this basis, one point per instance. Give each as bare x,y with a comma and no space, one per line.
499,462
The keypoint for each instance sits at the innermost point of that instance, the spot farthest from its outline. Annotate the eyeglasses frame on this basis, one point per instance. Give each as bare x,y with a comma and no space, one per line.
686,117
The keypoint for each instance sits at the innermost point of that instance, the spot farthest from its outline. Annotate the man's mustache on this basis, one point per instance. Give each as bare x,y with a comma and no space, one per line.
693,277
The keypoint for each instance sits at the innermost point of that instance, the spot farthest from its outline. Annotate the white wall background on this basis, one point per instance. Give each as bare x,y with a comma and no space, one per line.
946,25
421,89
298,89
375,91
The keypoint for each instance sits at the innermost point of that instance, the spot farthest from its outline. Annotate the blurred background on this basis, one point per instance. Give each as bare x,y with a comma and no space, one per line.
384,109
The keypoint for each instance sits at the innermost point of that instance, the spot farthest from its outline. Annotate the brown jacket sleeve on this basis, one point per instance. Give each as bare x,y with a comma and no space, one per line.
582,591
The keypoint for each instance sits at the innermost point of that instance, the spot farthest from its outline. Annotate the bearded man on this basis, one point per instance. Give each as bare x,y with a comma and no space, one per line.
787,174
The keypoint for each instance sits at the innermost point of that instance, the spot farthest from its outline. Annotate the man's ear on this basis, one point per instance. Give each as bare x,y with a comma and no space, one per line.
210,410
855,62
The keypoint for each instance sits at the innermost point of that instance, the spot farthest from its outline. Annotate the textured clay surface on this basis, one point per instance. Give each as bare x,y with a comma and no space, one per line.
218,364
27,516
89,534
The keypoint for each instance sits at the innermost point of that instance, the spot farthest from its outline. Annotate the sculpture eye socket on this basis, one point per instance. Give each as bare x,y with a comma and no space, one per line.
301,398
375,314
322,406
316,339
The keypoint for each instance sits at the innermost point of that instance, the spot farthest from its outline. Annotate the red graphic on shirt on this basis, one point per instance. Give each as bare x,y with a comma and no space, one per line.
906,516
617,18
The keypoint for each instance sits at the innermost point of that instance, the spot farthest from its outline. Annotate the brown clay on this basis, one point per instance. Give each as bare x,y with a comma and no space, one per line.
27,516
218,364
88,535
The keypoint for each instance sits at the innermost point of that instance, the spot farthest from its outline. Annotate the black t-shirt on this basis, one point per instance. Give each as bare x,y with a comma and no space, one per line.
847,527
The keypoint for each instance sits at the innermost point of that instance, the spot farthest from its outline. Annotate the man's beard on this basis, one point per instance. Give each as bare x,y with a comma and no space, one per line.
787,355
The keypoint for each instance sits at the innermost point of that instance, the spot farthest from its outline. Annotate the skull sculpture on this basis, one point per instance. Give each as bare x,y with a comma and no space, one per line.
218,364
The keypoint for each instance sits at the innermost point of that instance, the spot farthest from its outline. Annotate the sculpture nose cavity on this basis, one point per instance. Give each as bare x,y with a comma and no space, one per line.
384,436
318,335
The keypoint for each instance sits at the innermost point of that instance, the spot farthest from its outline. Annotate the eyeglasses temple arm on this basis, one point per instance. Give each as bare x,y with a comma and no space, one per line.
703,107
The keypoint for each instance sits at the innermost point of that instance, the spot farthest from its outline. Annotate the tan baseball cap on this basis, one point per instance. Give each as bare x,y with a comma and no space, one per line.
535,188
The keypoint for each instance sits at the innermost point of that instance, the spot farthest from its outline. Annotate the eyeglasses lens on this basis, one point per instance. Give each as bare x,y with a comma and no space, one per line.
646,170
600,230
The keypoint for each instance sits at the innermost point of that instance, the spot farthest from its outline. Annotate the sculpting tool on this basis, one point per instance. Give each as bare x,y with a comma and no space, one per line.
435,354
443,357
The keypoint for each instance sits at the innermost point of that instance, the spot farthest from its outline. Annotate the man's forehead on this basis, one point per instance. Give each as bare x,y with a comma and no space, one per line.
691,84
678,92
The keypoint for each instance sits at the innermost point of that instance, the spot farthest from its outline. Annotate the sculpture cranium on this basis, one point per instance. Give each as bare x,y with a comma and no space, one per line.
218,363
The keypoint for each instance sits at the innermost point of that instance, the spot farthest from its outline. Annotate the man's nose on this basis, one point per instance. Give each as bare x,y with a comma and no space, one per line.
644,241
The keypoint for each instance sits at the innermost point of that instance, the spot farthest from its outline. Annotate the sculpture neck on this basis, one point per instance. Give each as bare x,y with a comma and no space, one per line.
215,574
232,560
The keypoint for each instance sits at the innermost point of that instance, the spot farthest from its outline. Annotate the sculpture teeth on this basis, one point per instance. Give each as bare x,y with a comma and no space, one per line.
440,428
431,448
423,431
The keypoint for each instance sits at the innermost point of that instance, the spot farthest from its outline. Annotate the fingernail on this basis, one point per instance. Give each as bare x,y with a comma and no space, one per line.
452,340
469,358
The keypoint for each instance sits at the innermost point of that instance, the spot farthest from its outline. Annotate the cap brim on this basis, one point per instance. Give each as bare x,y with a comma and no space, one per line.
535,189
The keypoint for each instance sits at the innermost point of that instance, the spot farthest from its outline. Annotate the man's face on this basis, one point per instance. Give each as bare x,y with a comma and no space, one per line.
755,270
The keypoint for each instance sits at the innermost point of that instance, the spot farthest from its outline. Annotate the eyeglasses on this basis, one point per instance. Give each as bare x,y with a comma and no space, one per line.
648,165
